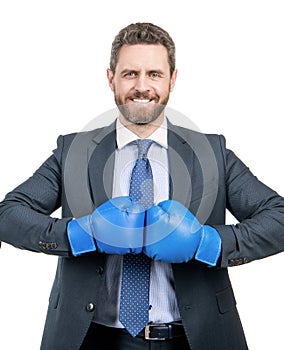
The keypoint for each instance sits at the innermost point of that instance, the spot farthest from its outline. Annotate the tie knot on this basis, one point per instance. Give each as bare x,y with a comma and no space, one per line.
143,147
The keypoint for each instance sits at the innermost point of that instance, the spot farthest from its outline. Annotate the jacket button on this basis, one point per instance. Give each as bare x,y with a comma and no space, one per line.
90,307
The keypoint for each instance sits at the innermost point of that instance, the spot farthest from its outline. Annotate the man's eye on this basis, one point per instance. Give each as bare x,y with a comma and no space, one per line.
130,74
154,75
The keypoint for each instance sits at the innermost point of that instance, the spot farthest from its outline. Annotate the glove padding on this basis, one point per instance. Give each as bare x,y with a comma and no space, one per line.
115,227
174,235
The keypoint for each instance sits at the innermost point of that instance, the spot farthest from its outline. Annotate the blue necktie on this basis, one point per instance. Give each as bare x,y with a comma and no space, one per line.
134,295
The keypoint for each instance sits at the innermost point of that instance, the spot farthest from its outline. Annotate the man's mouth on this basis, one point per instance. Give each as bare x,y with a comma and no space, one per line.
141,101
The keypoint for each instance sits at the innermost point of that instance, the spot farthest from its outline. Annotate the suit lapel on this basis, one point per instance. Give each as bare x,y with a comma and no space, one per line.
101,157
186,178
180,158
194,171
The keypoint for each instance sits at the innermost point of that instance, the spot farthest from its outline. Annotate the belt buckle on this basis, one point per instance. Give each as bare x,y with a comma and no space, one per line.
147,332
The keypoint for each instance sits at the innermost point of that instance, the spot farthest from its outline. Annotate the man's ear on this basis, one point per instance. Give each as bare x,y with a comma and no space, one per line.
110,76
173,80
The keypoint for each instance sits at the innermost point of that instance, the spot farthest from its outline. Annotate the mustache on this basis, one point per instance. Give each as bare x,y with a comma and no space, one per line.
143,96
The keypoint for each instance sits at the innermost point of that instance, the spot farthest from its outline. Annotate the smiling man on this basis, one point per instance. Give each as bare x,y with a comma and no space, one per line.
141,264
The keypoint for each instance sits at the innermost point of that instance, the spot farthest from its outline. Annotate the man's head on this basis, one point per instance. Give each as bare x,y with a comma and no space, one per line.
142,72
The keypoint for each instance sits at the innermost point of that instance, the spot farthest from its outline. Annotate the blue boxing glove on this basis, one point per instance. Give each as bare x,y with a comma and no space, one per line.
174,235
115,227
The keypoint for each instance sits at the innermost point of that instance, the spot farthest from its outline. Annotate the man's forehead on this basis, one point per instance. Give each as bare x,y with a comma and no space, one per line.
142,55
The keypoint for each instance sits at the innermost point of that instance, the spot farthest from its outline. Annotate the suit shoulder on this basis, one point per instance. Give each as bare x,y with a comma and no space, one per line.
191,134
80,137
217,138
69,138
75,142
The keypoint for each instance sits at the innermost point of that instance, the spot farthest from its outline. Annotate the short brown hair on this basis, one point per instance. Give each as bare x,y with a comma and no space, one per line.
142,33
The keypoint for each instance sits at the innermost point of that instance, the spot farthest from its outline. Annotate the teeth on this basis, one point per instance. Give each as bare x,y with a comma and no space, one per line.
141,101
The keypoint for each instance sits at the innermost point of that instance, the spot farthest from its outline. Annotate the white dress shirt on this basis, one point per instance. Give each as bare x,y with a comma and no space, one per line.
163,304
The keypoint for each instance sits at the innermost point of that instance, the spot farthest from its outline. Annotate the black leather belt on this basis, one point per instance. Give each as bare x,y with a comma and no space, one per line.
162,331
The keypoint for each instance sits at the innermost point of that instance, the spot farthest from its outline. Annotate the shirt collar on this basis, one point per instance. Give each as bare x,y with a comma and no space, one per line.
124,136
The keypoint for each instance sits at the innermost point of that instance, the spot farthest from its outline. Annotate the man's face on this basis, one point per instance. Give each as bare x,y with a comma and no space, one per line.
142,82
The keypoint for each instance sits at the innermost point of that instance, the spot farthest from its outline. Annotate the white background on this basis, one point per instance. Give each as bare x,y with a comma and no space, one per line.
54,56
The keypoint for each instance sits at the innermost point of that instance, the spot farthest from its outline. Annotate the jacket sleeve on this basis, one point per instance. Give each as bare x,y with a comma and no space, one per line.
25,212
260,213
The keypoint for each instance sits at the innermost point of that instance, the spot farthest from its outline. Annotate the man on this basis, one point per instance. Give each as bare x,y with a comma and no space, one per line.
182,232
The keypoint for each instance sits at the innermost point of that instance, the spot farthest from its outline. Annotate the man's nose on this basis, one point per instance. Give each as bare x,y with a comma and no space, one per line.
142,83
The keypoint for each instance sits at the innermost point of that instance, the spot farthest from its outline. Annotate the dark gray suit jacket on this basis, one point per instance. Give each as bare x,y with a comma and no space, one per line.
205,176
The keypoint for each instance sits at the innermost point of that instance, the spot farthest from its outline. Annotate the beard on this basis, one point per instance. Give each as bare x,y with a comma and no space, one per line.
141,113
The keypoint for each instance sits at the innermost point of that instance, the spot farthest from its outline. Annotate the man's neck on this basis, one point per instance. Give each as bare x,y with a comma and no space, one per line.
143,130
